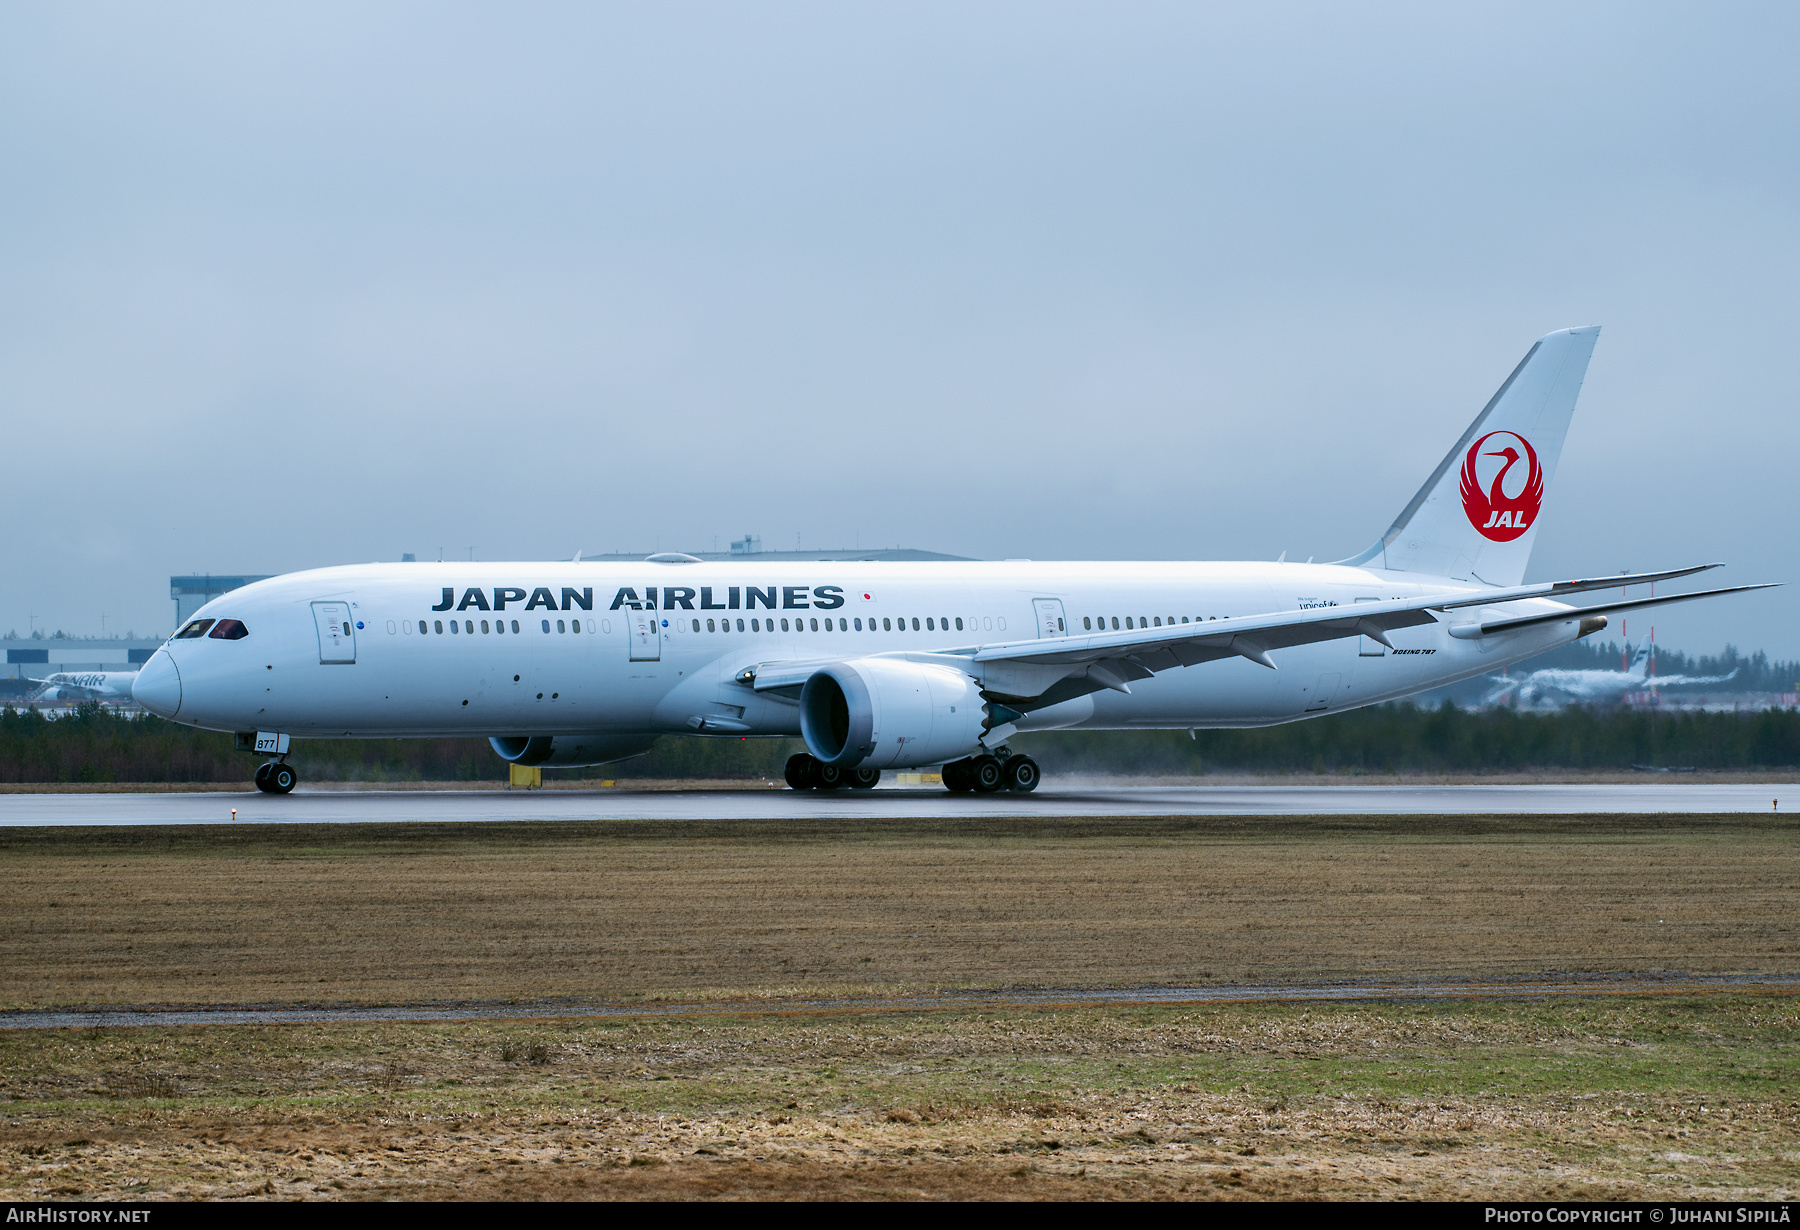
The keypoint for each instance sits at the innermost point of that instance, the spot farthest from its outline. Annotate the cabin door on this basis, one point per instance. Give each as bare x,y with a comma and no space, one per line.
1049,617
646,636
337,633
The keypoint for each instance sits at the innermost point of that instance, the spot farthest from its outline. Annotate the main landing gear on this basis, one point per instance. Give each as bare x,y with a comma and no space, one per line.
992,772
276,778
805,773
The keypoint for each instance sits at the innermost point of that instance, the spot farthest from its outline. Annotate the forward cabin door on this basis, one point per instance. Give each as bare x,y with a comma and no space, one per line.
337,633
1049,617
646,637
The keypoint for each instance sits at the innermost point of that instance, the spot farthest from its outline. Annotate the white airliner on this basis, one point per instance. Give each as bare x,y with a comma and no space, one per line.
902,665
1593,685
108,687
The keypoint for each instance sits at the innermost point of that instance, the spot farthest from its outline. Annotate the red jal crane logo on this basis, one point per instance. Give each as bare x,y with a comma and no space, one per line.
1499,516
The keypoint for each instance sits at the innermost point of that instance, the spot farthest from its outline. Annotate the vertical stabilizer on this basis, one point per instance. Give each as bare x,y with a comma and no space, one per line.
1476,517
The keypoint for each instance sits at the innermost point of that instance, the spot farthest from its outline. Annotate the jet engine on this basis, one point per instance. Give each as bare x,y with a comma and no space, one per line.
569,751
886,713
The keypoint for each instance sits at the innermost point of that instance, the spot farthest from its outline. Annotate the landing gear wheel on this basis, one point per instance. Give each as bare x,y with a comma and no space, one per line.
799,771
282,779
987,774
1022,774
262,775
956,777
828,776
864,779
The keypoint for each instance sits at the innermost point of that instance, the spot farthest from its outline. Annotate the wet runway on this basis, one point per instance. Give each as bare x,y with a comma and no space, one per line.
1052,800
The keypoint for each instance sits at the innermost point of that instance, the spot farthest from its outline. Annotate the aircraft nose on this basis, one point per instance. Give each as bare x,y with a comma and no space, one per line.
158,685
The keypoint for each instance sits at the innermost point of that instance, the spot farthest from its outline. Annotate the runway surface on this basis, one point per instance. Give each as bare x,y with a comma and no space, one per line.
361,807
1513,989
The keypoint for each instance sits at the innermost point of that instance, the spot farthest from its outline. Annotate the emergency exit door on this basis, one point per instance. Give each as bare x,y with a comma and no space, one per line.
1049,617
337,633
646,636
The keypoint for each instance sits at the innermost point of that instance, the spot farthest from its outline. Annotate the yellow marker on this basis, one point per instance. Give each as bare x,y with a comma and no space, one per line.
234,815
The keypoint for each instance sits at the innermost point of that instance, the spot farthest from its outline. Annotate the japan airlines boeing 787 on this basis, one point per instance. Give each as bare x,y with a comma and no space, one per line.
903,665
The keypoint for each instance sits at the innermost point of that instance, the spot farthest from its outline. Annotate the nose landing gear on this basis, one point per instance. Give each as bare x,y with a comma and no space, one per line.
276,778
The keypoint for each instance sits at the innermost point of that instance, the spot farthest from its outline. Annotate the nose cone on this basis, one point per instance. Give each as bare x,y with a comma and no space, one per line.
158,685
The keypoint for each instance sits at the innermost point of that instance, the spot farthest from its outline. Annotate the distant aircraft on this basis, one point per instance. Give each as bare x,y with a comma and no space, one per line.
1552,684
109,687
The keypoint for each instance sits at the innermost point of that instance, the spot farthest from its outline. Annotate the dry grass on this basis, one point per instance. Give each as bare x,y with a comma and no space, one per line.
1654,1098
624,909
1645,1099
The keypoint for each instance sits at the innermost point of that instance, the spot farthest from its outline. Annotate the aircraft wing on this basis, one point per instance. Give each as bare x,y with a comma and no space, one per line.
1113,659
1045,671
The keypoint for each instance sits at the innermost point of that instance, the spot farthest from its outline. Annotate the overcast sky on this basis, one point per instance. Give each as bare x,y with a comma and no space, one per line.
286,288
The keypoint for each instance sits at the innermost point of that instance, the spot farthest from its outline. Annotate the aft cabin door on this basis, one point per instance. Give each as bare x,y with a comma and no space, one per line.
337,632
646,636
1049,617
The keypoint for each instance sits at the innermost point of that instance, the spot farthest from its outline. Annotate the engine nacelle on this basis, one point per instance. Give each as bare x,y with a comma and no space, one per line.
887,713
569,751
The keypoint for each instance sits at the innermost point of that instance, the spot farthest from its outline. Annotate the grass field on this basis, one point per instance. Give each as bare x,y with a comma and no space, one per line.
1649,1097
624,909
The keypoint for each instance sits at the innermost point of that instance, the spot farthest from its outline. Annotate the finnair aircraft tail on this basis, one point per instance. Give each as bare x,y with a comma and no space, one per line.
1476,517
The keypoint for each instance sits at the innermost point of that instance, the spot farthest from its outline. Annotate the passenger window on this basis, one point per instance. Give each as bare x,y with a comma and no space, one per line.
859,625
1128,621
784,626
455,627
1184,619
815,625
928,625
1087,625
197,628
546,624
559,626
915,623
740,624
229,630
709,625
499,626
843,625
1059,624
574,625
755,626
438,622
987,622
590,624
515,624
469,626
1159,621
1115,620
484,626
959,626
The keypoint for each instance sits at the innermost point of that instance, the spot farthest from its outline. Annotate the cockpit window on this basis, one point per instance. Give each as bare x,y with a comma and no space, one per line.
229,630
196,628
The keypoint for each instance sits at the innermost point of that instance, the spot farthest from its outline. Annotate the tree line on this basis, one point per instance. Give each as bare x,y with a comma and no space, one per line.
93,744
